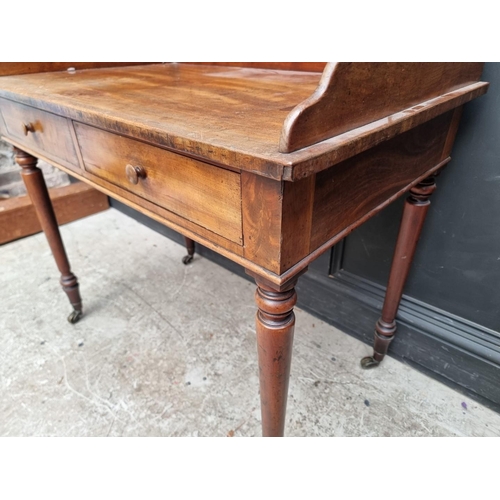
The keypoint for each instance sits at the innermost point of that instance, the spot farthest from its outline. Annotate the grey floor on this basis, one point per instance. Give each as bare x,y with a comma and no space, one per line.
169,350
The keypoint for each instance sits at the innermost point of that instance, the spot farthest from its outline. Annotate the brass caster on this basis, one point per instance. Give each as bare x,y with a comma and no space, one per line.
75,316
187,259
369,362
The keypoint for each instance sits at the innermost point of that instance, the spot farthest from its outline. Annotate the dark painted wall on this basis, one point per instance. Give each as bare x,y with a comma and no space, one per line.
457,265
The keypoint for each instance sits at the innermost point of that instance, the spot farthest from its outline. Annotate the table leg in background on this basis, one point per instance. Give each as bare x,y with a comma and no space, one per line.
415,210
190,251
37,191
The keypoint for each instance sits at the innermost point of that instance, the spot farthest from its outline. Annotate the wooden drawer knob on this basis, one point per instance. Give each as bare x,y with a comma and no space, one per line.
28,127
134,173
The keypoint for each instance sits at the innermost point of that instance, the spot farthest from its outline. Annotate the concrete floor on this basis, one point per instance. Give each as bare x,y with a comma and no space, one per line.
169,350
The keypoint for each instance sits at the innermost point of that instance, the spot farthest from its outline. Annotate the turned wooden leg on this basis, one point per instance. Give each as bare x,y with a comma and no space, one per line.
37,190
415,209
275,324
190,250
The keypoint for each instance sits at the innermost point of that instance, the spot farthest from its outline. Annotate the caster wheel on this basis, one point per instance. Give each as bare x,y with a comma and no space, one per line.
74,317
369,362
187,259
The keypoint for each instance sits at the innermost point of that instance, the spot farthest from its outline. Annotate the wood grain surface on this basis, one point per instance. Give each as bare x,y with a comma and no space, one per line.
22,68
50,134
316,67
355,187
184,226
207,195
353,94
225,115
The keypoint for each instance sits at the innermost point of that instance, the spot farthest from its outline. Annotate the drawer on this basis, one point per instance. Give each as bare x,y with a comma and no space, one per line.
40,132
204,194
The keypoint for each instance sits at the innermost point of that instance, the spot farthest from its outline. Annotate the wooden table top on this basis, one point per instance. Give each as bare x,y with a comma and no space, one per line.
191,108
229,116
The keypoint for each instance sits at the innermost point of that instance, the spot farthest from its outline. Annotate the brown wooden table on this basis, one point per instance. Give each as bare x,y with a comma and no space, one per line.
264,164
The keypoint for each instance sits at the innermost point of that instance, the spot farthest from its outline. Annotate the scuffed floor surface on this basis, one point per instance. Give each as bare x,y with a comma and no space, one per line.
169,350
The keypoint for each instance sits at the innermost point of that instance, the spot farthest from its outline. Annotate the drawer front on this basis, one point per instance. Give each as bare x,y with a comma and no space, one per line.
39,131
206,195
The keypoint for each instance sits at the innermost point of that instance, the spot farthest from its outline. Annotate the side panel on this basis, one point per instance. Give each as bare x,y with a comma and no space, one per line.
353,188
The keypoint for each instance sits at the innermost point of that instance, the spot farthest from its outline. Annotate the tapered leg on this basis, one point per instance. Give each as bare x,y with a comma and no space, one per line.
415,210
190,250
275,323
37,190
